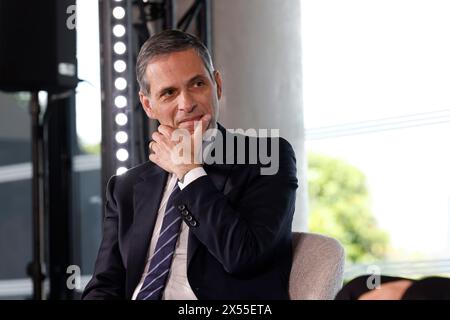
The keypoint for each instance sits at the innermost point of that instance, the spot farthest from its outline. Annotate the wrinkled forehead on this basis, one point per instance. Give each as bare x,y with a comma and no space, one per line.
174,67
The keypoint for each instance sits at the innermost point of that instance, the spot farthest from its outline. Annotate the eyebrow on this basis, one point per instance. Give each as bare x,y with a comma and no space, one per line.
193,79
196,77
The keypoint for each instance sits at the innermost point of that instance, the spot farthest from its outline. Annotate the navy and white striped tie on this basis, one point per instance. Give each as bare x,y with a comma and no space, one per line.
161,260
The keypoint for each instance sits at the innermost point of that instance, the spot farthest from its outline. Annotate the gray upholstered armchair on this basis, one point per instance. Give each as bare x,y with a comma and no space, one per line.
317,267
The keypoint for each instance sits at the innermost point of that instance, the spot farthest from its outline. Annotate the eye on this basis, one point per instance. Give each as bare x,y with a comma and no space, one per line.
168,93
199,83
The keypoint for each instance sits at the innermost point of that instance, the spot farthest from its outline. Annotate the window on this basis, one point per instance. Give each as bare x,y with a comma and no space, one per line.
376,106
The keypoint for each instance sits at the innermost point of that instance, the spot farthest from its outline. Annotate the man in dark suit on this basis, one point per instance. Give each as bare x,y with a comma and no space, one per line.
195,230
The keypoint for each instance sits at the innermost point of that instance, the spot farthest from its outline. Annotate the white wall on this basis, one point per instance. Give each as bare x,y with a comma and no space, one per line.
257,48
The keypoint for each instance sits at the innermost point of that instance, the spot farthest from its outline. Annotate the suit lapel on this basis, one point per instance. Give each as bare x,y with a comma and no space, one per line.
218,173
147,196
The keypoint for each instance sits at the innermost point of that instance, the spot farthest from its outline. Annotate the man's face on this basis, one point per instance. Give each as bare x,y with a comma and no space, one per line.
181,90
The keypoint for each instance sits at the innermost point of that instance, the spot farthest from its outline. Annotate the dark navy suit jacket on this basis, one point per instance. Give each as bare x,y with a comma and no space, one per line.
239,244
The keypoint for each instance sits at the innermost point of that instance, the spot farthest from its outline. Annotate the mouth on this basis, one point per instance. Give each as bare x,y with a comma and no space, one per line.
189,121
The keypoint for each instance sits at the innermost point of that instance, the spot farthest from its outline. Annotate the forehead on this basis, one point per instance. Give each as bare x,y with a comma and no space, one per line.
168,69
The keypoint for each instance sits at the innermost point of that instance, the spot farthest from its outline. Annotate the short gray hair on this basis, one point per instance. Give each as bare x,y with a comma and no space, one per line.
165,42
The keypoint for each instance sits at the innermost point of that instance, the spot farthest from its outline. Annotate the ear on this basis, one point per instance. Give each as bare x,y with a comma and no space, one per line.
146,105
218,79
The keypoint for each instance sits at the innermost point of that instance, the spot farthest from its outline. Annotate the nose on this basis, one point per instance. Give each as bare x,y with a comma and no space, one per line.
185,102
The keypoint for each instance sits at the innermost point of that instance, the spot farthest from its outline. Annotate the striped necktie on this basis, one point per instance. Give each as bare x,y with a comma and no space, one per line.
161,260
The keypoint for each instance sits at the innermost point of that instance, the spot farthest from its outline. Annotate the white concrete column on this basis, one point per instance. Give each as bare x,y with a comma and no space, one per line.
257,48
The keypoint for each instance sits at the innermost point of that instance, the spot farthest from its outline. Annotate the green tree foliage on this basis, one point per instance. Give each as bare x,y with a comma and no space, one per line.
340,207
91,148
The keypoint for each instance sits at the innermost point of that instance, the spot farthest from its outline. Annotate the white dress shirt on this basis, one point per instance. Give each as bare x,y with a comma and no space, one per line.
177,286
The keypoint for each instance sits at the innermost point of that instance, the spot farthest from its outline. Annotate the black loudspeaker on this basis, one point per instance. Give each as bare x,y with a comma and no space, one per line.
38,45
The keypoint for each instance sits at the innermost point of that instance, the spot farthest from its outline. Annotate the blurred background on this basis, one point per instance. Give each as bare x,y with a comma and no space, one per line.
359,87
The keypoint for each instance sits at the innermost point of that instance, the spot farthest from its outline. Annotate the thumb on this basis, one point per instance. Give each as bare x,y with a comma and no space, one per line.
201,126
205,120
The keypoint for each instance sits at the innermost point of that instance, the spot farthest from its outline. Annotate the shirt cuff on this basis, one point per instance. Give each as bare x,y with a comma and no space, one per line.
191,176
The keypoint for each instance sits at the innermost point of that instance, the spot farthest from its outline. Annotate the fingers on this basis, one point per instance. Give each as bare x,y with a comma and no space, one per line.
155,150
152,157
165,130
159,138
162,138
158,142
150,146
